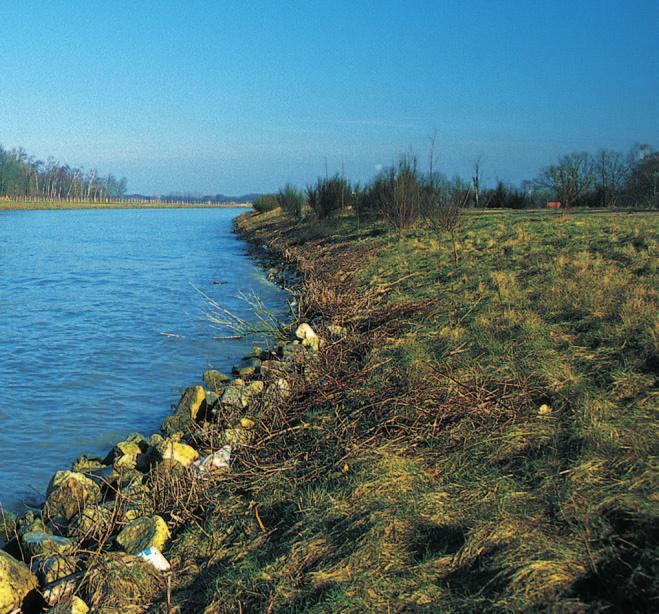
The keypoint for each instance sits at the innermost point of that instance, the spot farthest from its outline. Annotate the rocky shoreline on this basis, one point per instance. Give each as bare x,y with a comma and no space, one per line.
106,522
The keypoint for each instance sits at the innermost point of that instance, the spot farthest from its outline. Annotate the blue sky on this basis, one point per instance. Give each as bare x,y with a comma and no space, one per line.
243,96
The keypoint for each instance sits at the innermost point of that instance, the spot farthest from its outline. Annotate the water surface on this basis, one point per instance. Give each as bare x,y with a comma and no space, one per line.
101,327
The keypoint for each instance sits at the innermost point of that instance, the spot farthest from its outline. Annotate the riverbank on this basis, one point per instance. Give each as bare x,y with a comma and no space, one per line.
47,205
470,435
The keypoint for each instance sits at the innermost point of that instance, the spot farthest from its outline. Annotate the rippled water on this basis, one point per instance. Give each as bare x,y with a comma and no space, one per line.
84,299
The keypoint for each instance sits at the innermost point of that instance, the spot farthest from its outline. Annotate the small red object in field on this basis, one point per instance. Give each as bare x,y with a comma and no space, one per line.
554,205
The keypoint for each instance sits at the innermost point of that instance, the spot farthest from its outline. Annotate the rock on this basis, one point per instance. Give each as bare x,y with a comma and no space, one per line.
16,581
232,395
248,367
217,460
238,436
247,423
85,464
68,493
125,453
73,606
143,533
307,336
191,405
120,583
292,350
53,568
180,453
41,543
544,410
249,392
215,379
338,332
93,523
62,590
155,558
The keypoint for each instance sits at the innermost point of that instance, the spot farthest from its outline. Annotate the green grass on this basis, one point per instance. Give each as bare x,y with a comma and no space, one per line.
483,441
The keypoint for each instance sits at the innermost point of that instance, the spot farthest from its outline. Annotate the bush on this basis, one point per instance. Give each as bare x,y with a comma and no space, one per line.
265,202
329,195
398,194
291,200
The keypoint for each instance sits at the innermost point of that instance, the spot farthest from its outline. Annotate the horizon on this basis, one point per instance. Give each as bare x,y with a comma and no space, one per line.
242,99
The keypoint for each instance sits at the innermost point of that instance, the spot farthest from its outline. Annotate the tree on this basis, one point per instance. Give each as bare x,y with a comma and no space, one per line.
611,171
570,178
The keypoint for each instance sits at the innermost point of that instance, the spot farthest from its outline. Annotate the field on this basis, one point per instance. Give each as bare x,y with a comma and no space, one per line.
482,439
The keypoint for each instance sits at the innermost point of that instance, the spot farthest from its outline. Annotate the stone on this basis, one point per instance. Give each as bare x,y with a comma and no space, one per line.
191,405
307,336
41,543
249,392
217,460
53,568
143,533
338,332
180,453
248,367
238,436
85,464
247,423
93,523
232,396
68,493
61,590
16,581
122,583
73,606
215,379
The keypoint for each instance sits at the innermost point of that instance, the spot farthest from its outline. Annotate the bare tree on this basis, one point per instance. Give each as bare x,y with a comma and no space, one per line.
611,172
570,178
476,182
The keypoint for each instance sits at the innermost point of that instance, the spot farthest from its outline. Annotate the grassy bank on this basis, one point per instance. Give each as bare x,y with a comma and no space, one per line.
29,205
481,439
475,433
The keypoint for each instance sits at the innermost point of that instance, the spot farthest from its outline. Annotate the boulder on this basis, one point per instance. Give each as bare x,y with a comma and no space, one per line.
41,543
75,605
215,380
68,493
119,583
93,523
53,568
143,533
178,452
232,395
336,331
307,336
191,405
16,581
85,464
248,367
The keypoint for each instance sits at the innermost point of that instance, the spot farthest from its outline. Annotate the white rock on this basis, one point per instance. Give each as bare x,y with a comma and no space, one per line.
155,557
216,460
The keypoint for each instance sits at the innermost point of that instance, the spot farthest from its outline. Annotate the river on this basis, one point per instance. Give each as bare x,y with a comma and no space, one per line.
101,327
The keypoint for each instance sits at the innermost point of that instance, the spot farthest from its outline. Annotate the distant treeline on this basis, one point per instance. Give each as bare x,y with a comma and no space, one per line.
403,193
24,177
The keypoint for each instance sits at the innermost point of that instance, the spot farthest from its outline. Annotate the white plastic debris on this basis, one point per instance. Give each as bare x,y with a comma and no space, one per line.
155,557
216,460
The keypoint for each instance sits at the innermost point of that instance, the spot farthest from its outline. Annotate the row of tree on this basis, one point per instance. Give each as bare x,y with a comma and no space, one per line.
23,176
402,194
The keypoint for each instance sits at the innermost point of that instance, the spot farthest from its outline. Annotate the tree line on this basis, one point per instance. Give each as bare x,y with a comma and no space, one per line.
402,194
24,177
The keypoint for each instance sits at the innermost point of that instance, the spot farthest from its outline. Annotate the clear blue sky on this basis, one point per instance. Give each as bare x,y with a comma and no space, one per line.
231,97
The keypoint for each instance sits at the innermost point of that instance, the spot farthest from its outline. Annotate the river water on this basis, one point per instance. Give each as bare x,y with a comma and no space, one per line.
101,328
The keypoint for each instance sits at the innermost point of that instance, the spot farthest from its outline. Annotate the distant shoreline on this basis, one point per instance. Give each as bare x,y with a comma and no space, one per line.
13,205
